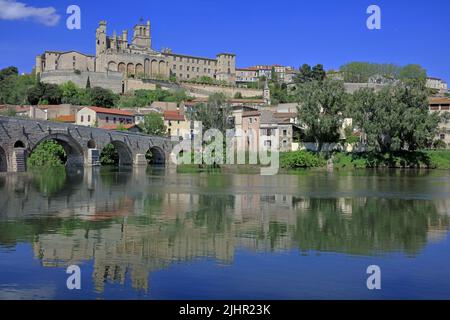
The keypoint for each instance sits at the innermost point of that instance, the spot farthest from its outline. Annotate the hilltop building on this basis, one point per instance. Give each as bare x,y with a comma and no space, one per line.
117,59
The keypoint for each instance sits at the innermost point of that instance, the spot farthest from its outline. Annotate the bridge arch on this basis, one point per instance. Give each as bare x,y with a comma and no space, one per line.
124,152
156,156
74,151
3,160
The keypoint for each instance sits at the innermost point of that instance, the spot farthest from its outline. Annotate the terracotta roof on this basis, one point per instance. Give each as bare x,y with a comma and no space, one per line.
68,118
439,100
111,111
173,115
116,126
251,113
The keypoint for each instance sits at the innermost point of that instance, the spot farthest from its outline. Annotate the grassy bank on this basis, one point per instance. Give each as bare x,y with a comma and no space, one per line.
429,159
432,159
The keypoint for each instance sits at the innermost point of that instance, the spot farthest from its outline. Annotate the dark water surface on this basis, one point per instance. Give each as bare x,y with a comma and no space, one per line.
160,235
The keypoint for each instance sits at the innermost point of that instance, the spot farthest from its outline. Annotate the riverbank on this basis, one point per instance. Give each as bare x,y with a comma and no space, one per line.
428,159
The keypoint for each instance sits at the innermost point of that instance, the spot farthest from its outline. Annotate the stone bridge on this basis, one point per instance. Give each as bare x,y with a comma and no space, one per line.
19,137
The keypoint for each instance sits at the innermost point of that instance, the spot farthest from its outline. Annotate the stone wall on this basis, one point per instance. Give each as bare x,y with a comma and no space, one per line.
110,80
204,90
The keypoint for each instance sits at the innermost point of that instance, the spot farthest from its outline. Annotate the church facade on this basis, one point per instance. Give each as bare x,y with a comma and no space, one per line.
116,57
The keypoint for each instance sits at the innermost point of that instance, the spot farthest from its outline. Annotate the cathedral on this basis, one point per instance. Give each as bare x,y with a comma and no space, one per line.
118,58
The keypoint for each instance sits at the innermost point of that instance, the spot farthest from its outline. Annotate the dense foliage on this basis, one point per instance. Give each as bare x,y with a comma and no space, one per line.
47,154
361,72
154,124
321,111
213,114
301,159
396,118
109,155
14,87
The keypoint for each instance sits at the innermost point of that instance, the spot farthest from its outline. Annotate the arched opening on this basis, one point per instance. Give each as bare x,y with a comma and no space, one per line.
162,68
112,66
154,68
139,69
91,144
147,67
121,67
46,149
19,144
130,69
155,156
116,153
3,161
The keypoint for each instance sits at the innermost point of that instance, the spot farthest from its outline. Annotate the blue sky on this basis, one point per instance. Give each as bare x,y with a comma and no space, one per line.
288,32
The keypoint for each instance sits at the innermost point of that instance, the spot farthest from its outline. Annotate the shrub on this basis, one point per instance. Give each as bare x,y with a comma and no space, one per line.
301,159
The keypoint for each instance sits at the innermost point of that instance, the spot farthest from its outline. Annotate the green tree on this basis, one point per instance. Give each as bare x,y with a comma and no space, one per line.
109,155
154,124
318,73
214,114
102,97
322,105
47,154
14,87
413,71
396,118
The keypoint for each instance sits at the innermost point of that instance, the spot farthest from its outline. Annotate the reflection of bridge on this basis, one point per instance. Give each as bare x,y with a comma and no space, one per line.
19,137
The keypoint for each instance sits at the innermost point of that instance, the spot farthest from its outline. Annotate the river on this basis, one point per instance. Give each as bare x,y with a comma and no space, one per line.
153,234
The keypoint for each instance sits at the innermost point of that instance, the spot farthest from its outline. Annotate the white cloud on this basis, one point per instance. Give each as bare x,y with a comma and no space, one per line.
12,10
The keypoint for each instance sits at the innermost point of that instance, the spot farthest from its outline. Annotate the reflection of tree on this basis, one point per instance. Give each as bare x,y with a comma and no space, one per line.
376,225
213,213
49,180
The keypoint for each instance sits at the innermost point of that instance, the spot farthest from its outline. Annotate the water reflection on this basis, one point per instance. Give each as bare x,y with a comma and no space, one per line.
131,222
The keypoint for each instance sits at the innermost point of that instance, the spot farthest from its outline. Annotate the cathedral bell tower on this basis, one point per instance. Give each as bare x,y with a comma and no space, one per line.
100,38
142,36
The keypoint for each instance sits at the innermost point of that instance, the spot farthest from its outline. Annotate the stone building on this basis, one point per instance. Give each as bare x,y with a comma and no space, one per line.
116,59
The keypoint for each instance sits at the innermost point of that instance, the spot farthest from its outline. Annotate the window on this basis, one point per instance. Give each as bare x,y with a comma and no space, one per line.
285,132
442,136
284,143
187,76
174,67
114,119
82,119
89,118
187,68
251,120
107,119
181,67
198,69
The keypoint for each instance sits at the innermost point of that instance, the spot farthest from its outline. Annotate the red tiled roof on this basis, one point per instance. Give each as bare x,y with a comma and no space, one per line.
173,115
251,113
439,100
68,118
111,111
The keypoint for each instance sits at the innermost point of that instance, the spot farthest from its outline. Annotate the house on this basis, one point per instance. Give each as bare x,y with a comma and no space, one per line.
441,105
178,126
99,117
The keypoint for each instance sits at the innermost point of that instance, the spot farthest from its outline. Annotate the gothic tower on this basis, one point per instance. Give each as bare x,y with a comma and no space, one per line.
100,38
